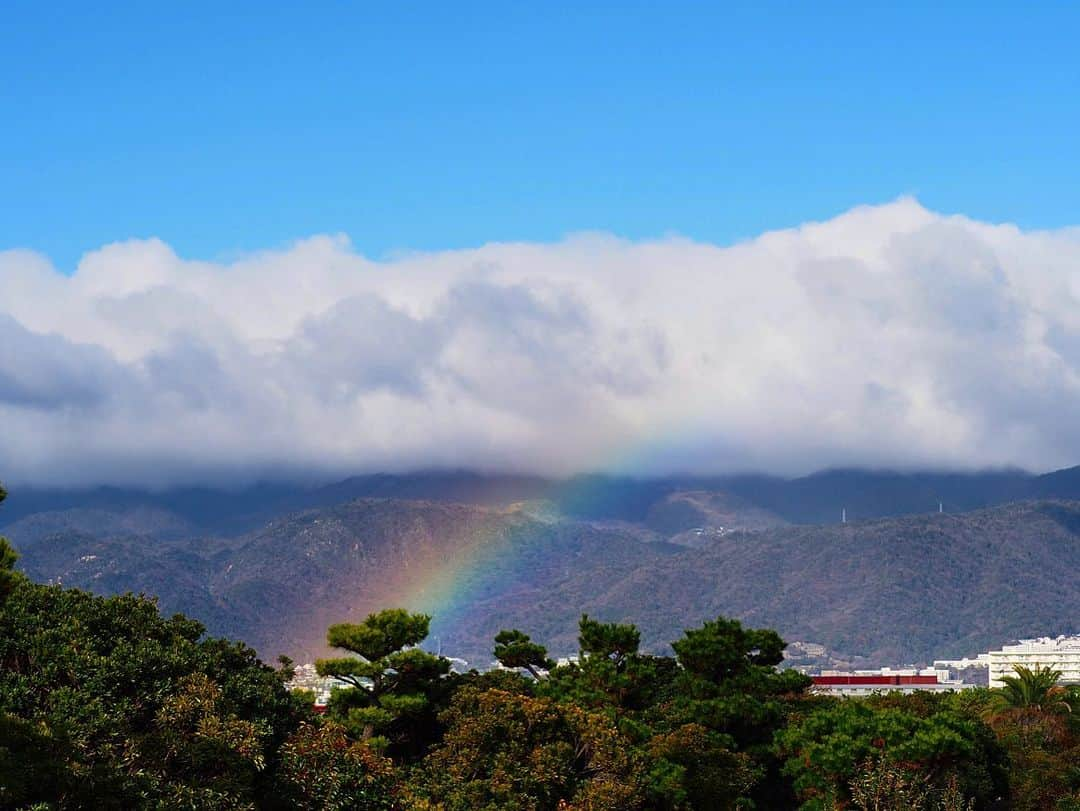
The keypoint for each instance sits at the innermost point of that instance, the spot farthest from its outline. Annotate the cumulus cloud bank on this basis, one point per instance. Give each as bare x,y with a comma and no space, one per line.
888,336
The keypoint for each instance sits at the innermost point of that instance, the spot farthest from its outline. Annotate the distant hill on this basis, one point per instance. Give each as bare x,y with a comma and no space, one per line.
1063,484
895,590
890,591
148,522
815,499
231,511
820,498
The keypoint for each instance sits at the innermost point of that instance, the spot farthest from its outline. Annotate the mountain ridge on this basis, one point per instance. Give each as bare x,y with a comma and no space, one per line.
891,590
817,498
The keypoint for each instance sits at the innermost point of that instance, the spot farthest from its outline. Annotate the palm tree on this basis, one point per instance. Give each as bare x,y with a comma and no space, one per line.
1032,691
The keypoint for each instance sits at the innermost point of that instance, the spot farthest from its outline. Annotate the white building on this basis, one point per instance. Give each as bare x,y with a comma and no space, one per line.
973,671
1061,653
982,660
307,678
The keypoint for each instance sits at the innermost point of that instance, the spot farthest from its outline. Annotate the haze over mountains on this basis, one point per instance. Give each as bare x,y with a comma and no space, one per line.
274,564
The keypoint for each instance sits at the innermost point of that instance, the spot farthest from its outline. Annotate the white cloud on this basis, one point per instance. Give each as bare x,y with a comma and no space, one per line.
889,335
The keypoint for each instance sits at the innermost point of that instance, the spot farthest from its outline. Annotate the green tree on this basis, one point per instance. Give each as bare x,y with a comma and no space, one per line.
393,683
722,650
106,704
515,649
323,769
880,784
607,640
695,768
704,723
729,680
728,683
858,745
8,557
1033,690
1037,721
609,673
195,735
508,750
883,785
1044,760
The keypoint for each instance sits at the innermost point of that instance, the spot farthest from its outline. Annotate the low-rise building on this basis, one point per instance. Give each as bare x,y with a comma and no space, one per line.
885,680
1060,653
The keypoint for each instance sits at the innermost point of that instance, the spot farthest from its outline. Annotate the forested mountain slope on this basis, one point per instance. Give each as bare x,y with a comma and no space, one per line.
890,591
894,590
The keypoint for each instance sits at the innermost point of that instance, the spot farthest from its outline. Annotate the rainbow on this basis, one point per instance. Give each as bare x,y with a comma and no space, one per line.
493,561
498,555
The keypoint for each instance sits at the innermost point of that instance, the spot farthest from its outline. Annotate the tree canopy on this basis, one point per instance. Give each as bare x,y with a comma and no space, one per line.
393,683
8,557
106,704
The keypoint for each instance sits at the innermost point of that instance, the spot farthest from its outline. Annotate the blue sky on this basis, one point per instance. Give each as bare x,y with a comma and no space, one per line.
429,126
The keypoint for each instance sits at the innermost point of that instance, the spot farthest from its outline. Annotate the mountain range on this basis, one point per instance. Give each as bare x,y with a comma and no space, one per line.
900,582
